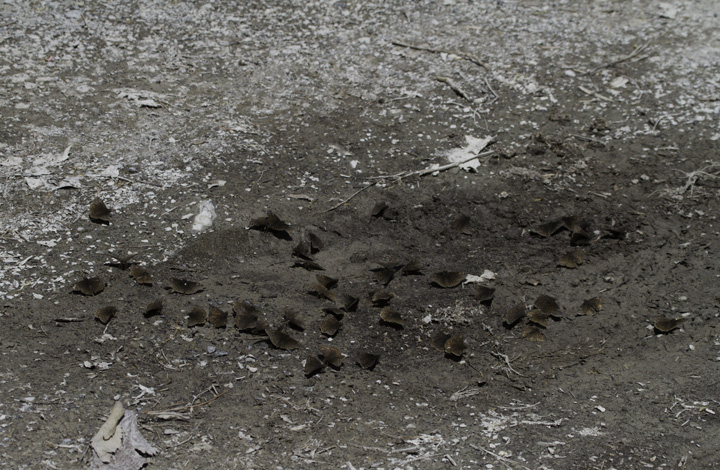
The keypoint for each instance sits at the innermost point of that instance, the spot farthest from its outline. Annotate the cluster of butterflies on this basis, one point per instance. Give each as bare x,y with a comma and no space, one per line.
546,307
249,318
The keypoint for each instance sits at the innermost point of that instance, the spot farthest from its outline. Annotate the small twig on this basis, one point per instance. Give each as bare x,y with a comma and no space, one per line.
589,139
504,460
189,407
455,87
351,196
634,53
181,443
594,93
507,361
405,174
467,56
449,166
495,95
258,180
450,459
694,176
138,182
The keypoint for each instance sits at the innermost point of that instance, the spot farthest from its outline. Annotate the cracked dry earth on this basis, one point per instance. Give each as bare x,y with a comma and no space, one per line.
550,304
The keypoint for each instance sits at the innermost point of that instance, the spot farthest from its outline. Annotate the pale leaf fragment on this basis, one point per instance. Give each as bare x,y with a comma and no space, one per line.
109,438
487,275
473,148
131,448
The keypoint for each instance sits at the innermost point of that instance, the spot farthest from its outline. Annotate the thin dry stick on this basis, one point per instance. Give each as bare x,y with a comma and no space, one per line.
634,53
455,87
465,55
504,460
507,361
594,93
449,166
694,176
351,196
187,407
406,174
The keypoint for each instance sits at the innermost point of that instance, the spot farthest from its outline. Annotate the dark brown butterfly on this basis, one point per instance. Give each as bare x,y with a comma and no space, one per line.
153,308
330,325
217,317
547,229
327,281
281,340
574,223
380,297
580,238
455,345
302,250
293,319
532,333
89,286
105,314
548,305
514,315
196,317
141,275
384,275
313,365
336,312
390,316
248,318
448,279
348,302
308,264
411,268
539,317
378,209
438,340
571,259
332,356
367,361
484,294
99,212
184,286
322,292
666,325
316,244
591,306
461,223
269,222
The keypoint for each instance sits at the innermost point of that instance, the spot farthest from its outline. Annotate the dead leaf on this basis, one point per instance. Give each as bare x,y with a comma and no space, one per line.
109,438
133,448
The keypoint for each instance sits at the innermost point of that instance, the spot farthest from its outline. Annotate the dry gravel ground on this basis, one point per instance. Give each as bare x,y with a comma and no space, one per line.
605,111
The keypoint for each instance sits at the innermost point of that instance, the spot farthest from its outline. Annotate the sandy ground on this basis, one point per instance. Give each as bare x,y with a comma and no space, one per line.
549,303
